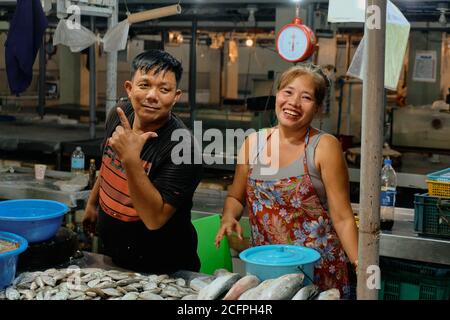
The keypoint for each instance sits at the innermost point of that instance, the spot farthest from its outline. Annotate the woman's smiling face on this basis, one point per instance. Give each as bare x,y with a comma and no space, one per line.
295,105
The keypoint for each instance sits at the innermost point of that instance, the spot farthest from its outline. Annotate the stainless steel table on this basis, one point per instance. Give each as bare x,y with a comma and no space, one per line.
402,242
21,184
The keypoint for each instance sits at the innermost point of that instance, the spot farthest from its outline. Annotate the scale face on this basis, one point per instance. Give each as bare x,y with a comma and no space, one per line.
295,42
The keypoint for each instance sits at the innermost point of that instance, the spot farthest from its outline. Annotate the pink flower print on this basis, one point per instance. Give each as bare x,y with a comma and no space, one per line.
318,230
332,269
285,215
296,202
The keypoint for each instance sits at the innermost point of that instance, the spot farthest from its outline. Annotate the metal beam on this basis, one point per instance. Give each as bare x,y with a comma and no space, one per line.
193,72
92,86
41,86
111,66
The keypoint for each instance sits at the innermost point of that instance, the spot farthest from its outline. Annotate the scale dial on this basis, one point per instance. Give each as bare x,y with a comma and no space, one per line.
295,42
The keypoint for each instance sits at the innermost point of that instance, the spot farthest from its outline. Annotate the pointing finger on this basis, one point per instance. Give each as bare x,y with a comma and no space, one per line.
149,135
123,119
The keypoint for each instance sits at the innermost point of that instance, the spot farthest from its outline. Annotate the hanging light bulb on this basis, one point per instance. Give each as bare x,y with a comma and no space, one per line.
443,8
249,42
442,18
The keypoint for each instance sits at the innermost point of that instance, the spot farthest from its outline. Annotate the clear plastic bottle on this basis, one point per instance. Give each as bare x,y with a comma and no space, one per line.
77,161
388,192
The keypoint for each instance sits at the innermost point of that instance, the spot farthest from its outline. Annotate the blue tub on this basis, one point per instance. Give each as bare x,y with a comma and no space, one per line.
35,220
8,260
273,261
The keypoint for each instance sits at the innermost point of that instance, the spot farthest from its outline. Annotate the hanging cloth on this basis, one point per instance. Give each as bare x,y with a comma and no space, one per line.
24,39
76,39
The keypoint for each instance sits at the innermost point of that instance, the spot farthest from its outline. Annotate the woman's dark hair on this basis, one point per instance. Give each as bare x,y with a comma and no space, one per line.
159,61
321,81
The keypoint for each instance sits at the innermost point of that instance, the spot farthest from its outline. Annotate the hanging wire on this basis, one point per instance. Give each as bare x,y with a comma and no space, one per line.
126,7
297,9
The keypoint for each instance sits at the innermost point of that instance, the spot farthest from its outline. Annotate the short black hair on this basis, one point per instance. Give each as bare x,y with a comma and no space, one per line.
158,60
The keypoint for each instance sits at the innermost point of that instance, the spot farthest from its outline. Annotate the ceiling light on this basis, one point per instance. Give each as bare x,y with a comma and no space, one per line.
249,42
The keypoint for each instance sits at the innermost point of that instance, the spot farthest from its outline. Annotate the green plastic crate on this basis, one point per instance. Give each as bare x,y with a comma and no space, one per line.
211,258
407,280
431,215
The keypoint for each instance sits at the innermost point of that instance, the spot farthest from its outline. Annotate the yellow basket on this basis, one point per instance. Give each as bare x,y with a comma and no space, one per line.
438,189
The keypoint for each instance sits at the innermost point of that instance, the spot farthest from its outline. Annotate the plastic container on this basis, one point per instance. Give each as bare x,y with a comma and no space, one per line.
387,196
77,161
432,215
35,220
276,260
408,280
8,260
439,183
211,258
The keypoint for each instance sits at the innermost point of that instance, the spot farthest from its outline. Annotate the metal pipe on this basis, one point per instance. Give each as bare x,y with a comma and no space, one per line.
92,86
41,86
111,66
154,14
371,149
193,71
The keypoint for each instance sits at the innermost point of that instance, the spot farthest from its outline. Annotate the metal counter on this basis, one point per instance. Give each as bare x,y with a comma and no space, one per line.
402,242
21,184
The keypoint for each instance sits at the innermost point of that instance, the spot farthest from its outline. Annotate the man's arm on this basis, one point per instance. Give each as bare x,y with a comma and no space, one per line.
146,199
90,212
155,202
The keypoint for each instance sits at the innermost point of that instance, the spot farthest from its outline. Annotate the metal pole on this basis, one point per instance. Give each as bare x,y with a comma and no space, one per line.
41,86
193,71
92,86
111,66
163,39
371,148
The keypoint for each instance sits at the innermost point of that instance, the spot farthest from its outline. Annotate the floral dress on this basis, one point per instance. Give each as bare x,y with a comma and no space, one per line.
289,211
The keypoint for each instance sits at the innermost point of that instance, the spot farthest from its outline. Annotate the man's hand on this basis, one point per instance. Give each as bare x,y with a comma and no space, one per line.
90,219
126,142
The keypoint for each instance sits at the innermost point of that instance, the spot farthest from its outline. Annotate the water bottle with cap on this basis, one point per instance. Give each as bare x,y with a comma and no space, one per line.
77,161
388,191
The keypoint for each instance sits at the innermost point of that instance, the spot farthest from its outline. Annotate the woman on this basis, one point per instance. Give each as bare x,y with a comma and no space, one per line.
302,196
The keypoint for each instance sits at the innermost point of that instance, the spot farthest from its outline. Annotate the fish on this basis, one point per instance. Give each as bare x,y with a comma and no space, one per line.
12,294
199,283
283,288
306,293
332,294
147,295
76,283
241,286
218,286
130,296
253,293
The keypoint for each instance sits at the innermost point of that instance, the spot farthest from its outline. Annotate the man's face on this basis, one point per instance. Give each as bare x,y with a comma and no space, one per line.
152,96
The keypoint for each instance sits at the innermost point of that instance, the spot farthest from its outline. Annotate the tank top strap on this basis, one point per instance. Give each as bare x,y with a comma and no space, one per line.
259,144
305,161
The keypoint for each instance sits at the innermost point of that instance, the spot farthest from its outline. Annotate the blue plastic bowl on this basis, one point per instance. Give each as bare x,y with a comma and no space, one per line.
273,261
8,260
35,220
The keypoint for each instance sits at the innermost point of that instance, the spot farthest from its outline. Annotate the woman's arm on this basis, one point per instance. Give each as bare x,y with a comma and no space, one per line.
330,161
234,203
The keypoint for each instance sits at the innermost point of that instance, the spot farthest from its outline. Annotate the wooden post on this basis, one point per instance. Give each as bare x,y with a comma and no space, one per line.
371,147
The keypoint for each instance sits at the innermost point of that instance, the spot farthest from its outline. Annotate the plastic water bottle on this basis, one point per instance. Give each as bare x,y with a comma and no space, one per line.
388,191
77,161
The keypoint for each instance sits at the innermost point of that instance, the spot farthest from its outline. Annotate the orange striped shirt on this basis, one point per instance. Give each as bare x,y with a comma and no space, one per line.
114,196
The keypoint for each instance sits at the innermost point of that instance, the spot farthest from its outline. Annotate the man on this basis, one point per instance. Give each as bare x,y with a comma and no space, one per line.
143,198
